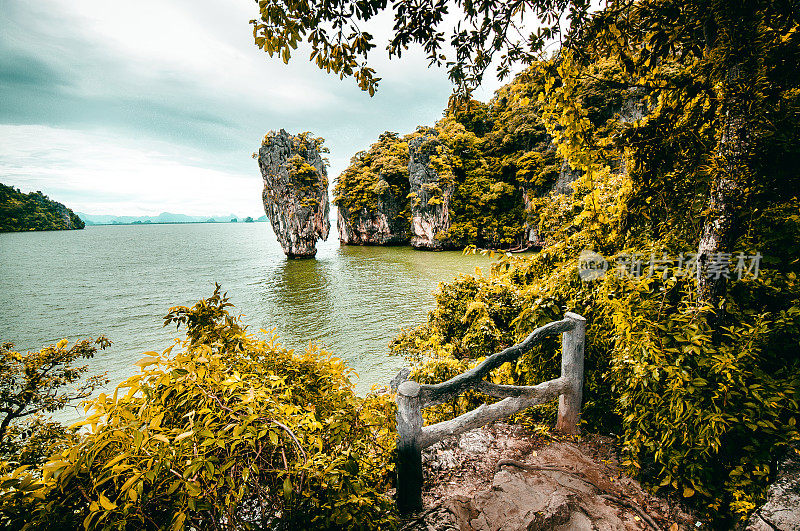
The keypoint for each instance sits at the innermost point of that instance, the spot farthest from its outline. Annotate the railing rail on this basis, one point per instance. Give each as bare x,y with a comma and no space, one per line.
412,397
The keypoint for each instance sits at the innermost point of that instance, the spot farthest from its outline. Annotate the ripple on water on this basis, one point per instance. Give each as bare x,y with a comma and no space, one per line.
121,280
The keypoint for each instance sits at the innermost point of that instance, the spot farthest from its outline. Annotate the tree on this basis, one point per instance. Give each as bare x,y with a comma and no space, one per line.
734,55
340,44
723,44
36,382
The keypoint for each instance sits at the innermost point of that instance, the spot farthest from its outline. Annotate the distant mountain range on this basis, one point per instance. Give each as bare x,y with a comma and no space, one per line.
164,217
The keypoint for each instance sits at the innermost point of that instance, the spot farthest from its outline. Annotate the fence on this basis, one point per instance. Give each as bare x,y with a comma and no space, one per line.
413,397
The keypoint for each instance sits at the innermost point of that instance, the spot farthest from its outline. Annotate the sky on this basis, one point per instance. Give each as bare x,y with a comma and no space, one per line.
138,108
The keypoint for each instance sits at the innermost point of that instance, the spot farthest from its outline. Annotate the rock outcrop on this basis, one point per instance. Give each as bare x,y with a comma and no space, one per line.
430,196
782,508
295,191
372,195
383,226
500,477
33,211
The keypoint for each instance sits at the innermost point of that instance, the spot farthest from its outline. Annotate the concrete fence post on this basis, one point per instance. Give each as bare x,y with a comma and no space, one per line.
569,403
409,448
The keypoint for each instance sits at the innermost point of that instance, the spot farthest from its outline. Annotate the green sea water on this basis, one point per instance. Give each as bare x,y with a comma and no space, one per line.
121,280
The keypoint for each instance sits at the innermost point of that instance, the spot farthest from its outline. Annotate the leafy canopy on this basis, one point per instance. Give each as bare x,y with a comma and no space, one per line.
339,42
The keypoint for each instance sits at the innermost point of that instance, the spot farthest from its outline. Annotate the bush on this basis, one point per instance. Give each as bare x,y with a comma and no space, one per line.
230,431
701,410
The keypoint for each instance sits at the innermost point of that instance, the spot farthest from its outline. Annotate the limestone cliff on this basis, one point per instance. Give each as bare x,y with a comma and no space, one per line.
430,195
372,195
385,225
33,211
295,191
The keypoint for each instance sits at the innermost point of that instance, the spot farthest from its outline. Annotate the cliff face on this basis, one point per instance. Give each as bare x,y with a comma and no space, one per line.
372,195
386,225
430,196
295,191
416,187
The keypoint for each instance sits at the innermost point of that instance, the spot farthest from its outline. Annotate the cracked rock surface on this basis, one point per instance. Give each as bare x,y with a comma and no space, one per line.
295,191
430,206
466,490
781,511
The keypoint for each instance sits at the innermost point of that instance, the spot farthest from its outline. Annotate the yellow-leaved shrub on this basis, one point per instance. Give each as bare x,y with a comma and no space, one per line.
226,431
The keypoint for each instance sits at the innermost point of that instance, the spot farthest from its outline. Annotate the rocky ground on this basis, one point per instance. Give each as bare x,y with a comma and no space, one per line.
781,511
502,477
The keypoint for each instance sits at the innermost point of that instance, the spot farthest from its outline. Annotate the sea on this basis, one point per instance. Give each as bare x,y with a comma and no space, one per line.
120,281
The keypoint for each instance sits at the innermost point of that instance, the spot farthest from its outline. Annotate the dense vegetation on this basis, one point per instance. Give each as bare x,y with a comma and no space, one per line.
377,179
226,431
681,121
500,158
696,369
33,211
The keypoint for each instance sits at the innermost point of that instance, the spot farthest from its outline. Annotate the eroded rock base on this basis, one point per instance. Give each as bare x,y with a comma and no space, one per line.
782,508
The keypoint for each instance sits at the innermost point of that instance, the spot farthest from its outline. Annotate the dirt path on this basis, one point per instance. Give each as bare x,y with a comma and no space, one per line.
502,477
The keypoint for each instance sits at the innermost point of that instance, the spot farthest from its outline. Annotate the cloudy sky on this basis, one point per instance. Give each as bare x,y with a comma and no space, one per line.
136,108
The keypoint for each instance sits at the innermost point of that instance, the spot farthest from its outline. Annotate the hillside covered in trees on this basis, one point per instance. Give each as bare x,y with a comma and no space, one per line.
678,123
492,164
33,211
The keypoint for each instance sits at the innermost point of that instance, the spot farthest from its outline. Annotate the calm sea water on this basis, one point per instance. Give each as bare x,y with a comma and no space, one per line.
121,280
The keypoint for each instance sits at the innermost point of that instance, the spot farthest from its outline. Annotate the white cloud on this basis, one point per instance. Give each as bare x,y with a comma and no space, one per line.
141,107
101,174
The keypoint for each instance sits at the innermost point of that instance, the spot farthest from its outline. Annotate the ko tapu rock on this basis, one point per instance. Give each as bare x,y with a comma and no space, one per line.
295,190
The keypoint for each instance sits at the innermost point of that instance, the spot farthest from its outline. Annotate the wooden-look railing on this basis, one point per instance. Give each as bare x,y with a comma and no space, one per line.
413,397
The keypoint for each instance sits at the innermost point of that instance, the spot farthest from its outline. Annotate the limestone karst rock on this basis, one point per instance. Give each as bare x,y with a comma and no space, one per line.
402,206
382,226
430,195
295,191
21,211
372,195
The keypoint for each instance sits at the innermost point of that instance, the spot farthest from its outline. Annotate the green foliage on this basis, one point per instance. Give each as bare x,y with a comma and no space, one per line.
484,210
33,211
306,181
700,411
31,441
375,178
229,431
703,401
473,313
340,42
497,158
705,411
35,383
